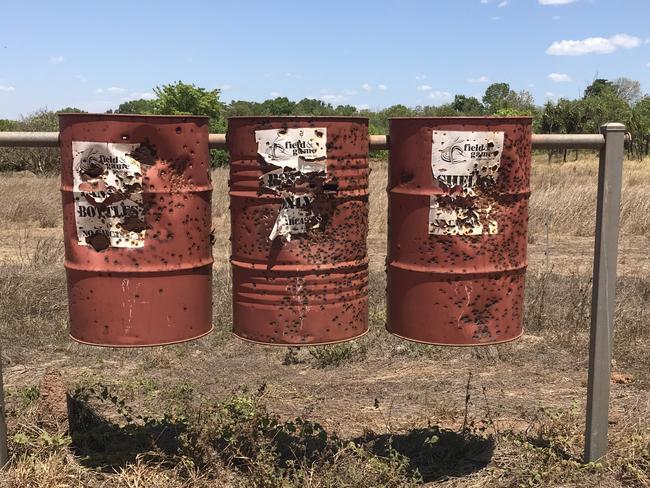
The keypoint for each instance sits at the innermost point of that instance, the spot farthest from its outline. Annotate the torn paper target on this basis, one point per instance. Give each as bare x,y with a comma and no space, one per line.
456,215
109,210
461,158
295,169
295,217
465,164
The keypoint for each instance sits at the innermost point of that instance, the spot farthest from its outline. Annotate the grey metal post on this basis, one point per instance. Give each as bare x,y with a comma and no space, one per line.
4,456
604,286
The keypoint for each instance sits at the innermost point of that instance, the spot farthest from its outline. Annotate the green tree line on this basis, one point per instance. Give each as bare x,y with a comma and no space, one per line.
620,100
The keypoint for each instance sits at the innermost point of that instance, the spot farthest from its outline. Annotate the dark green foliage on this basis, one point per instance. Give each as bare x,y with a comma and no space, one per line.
603,101
140,106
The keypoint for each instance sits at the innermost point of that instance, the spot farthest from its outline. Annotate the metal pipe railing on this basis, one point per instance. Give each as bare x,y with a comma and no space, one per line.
610,142
377,142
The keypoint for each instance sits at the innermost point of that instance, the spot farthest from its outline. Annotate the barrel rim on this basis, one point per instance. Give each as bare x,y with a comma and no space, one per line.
299,344
466,118
133,346
355,118
456,344
132,116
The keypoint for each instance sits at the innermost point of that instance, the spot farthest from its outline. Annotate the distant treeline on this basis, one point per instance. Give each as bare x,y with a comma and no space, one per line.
620,100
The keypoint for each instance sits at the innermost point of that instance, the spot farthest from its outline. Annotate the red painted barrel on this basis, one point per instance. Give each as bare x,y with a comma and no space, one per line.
137,222
458,212
299,210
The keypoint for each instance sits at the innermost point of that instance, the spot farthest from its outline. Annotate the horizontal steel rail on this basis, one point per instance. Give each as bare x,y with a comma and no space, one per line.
377,142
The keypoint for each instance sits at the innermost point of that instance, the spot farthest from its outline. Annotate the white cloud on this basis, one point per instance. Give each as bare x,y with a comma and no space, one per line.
7,88
480,79
420,77
484,1
275,94
139,95
267,75
382,87
625,41
559,77
225,87
531,85
593,45
549,94
556,17
115,89
363,106
496,17
648,65
99,90
56,60
440,95
366,87
82,79
556,2
424,88
333,98
503,4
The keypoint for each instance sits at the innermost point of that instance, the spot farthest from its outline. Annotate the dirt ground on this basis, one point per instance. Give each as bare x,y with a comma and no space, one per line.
381,385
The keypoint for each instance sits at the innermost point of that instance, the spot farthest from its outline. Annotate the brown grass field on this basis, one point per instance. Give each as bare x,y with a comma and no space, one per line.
376,412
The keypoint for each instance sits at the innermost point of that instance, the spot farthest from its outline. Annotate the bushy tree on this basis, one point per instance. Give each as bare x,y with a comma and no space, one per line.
182,98
495,97
139,106
467,105
628,90
71,110
639,127
35,159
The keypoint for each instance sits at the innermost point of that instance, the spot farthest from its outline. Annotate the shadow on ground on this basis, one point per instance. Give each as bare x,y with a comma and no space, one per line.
106,445
434,453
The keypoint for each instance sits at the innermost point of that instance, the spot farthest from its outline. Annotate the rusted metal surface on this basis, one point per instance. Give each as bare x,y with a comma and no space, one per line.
137,222
299,210
457,235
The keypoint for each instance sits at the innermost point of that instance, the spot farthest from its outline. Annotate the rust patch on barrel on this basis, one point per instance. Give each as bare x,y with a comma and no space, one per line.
299,209
137,219
457,230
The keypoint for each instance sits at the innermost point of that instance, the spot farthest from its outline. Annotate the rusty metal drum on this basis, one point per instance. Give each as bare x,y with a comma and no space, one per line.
299,215
137,221
457,234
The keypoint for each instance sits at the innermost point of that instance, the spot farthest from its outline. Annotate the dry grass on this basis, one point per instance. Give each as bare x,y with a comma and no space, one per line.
28,200
218,412
564,197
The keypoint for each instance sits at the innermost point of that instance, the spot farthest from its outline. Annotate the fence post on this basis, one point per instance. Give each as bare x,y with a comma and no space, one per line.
604,286
4,456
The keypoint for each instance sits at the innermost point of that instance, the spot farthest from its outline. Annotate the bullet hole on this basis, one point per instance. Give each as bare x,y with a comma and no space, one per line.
91,168
406,176
134,223
178,130
98,241
145,153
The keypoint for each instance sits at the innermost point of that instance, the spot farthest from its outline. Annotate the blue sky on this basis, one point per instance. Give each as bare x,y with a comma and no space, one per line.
94,55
